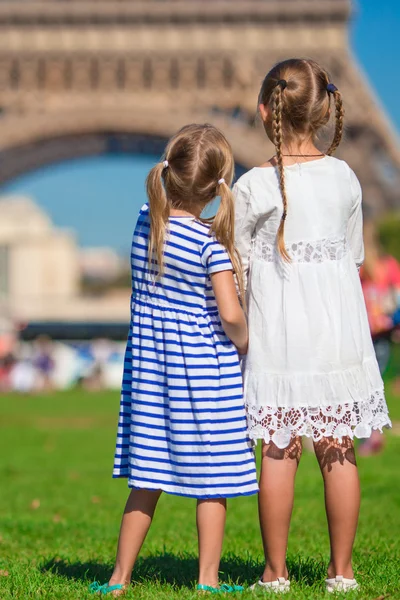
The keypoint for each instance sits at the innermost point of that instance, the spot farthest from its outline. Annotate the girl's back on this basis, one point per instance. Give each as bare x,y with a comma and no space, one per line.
182,402
305,313
310,344
324,194
190,257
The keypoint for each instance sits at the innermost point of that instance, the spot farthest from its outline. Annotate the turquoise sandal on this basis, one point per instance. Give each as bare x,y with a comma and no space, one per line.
97,588
222,589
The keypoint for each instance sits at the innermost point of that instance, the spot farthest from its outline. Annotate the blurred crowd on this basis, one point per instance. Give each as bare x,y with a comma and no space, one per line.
45,365
380,278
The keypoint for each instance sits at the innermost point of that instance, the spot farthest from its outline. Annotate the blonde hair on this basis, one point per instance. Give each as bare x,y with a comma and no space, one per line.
197,167
298,94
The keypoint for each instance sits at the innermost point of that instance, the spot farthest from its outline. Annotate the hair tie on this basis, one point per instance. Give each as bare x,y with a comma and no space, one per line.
165,163
284,215
331,88
221,181
282,83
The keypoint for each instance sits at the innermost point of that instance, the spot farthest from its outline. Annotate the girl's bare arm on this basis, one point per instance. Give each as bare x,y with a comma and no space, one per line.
231,313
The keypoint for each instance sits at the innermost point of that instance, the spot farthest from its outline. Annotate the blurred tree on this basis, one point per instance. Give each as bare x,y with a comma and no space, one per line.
389,233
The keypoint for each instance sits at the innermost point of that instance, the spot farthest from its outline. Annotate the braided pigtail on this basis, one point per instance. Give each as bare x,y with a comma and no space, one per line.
159,214
339,119
277,106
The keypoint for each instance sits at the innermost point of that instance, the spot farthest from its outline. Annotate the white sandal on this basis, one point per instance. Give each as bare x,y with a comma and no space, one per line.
279,586
340,584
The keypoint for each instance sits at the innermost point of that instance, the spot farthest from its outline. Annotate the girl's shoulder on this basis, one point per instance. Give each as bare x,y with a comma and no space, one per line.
190,224
267,174
257,174
257,184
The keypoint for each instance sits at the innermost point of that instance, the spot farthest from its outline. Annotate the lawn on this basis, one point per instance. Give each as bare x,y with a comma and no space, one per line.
60,512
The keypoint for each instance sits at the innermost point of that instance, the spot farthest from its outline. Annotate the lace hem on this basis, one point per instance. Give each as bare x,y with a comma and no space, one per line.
304,252
354,419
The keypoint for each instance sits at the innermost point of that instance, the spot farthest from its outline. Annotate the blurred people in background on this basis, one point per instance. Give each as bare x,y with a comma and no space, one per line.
8,343
7,363
24,375
44,365
43,362
380,278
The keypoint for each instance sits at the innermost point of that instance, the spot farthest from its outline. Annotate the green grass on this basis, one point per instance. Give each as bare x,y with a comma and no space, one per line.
60,512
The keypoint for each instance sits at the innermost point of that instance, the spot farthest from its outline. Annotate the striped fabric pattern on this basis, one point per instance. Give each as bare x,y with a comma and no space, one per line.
182,424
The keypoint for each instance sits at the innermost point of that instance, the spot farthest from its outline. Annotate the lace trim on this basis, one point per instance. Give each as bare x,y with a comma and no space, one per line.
280,425
304,252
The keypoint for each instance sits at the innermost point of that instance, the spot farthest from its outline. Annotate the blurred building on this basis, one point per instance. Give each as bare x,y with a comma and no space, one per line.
40,272
102,264
38,262
90,76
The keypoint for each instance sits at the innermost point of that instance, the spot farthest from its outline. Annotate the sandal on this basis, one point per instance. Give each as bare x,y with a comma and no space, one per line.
340,584
97,588
279,586
222,589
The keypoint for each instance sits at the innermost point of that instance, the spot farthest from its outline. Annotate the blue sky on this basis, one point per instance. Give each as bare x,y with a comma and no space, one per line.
375,38
98,197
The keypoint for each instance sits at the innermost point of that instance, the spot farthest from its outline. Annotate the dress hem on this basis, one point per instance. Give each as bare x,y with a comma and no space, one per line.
182,494
256,437
280,425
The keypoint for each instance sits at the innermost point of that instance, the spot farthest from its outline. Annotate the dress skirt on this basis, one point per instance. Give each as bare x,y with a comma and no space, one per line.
182,423
311,368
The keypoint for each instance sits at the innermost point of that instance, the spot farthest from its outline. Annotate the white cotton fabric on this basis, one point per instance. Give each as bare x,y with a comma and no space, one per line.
311,367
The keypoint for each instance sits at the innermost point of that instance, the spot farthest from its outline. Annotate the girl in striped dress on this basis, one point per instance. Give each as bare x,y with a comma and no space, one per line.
182,426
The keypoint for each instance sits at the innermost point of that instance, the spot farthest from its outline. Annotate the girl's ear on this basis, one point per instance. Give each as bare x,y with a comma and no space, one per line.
264,112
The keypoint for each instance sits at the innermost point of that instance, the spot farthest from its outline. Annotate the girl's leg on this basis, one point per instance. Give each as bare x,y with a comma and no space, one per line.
136,521
211,516
342,500
275,504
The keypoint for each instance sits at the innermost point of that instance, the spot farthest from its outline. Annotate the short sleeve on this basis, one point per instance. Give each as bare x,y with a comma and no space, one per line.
215,258
355,223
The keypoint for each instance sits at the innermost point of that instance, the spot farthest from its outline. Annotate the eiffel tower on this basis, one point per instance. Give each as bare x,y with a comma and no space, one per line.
81,77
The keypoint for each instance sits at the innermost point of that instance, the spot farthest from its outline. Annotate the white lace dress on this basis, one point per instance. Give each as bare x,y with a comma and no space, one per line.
311,368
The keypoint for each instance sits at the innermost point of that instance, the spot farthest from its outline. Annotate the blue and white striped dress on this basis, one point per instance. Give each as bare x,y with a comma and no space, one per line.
182,424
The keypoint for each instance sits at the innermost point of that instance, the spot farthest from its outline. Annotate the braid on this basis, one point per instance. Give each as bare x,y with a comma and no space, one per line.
277,105
339,118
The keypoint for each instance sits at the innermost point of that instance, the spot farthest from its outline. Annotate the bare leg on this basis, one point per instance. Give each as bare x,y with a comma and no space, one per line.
211,515
342,500
136,521
275,504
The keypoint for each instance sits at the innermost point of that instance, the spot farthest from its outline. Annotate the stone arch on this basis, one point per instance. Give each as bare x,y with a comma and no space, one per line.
32,141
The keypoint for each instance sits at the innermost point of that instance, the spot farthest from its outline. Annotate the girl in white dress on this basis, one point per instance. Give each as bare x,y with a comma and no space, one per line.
310,368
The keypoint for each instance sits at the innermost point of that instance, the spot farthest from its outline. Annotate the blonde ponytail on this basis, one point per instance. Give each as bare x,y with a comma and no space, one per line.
198,166
277,105
223,227
159,214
